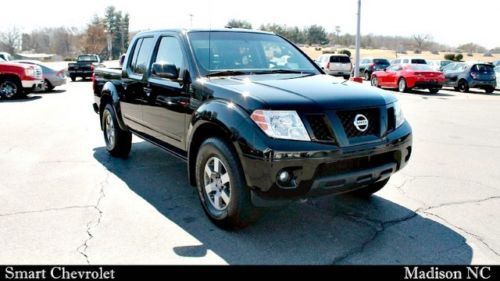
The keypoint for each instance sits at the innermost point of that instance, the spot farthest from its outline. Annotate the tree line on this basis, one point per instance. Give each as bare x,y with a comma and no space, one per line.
109,35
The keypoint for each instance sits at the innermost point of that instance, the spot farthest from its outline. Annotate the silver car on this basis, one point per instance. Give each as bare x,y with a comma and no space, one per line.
497,73
52,78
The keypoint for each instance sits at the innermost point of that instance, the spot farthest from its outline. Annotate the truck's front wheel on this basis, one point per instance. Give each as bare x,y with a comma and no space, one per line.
10,88
222,187
118,141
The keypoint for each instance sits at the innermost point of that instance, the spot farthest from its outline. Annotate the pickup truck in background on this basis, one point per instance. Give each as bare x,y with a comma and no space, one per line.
257,121
84,66
17,79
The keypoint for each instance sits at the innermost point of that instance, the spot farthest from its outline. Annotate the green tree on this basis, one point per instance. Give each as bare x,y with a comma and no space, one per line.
117,26
316,35
235,23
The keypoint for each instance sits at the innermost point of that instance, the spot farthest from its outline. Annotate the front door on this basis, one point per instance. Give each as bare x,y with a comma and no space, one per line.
168,100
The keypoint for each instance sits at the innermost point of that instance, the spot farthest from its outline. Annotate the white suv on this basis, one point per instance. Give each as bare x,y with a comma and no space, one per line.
336,64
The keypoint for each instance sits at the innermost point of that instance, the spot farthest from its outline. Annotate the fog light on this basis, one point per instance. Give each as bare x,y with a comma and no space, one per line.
284,177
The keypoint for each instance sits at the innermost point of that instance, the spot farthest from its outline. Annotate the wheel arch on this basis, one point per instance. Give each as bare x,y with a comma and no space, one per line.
220,119
109,95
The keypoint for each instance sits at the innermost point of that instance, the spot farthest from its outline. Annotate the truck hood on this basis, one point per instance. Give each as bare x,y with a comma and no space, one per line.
297,92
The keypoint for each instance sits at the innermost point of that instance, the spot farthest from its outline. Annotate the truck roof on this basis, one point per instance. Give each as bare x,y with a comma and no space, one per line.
184,30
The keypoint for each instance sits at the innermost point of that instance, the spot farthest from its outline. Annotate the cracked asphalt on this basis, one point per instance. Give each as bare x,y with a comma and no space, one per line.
64,200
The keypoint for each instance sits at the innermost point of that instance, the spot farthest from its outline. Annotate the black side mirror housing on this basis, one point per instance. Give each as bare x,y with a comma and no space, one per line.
165,70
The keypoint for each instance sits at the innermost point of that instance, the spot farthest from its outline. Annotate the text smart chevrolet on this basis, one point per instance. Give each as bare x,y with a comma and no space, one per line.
258,122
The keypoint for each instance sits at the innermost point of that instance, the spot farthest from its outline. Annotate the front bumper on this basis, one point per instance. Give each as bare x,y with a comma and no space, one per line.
326,169
32,85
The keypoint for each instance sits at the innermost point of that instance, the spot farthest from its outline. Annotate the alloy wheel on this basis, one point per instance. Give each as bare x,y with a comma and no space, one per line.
217,185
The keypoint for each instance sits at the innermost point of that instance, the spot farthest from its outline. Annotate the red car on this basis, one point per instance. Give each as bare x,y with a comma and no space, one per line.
17,79
406,77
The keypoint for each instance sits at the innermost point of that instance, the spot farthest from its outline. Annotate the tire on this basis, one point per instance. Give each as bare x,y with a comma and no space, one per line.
374,82
367,75
47,86
346,77
118,142
402,86
223,192
463,86
73,78
11,88
489,90
369,190
434,90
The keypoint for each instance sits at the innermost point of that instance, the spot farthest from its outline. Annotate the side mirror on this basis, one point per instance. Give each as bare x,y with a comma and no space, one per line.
385,69
164,70
122,60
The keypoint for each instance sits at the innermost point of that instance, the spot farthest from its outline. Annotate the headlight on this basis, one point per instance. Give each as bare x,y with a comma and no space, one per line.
29,71
398,114
281,124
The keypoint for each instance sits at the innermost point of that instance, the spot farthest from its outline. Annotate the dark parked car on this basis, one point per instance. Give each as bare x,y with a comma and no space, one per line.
258,123
368,65
84,66
463,76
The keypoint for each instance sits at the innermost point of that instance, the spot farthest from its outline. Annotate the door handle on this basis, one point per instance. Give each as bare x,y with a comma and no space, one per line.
147,91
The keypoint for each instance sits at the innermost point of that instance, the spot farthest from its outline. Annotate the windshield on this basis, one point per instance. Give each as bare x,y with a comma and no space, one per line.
87,58
418,61
381,61
246,52
340,59
420,67
483,68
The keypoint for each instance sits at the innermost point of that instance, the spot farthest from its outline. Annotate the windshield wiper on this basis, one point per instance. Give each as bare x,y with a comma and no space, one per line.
284,71
227,73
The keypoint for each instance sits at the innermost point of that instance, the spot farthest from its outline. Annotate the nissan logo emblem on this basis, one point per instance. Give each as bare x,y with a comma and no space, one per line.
361,122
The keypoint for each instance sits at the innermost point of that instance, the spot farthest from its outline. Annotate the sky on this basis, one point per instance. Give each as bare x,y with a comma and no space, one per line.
449,22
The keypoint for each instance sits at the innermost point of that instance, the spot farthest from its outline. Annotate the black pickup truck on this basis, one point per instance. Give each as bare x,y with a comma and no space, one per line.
83,67
256,120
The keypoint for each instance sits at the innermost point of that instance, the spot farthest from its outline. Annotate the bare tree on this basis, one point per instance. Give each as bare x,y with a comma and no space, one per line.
95,38
421,40
10,40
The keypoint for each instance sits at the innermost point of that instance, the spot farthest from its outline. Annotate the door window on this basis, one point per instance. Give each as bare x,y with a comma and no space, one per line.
139,65
170,52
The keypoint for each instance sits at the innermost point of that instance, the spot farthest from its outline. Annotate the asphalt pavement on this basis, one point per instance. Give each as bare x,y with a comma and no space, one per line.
64,200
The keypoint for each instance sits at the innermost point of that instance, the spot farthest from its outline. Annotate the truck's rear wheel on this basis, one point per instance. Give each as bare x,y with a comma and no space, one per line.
10,88
118,142
73,78
369,190
222,187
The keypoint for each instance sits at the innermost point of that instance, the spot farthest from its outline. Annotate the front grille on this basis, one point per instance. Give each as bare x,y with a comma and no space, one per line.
347,119
356,164
320,128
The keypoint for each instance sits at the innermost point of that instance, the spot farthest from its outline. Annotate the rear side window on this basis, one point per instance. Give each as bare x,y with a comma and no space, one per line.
418,61
340,59
141,55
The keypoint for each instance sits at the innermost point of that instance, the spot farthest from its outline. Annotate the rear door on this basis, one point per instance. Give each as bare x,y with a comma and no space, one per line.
168,100
483,72
134,80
